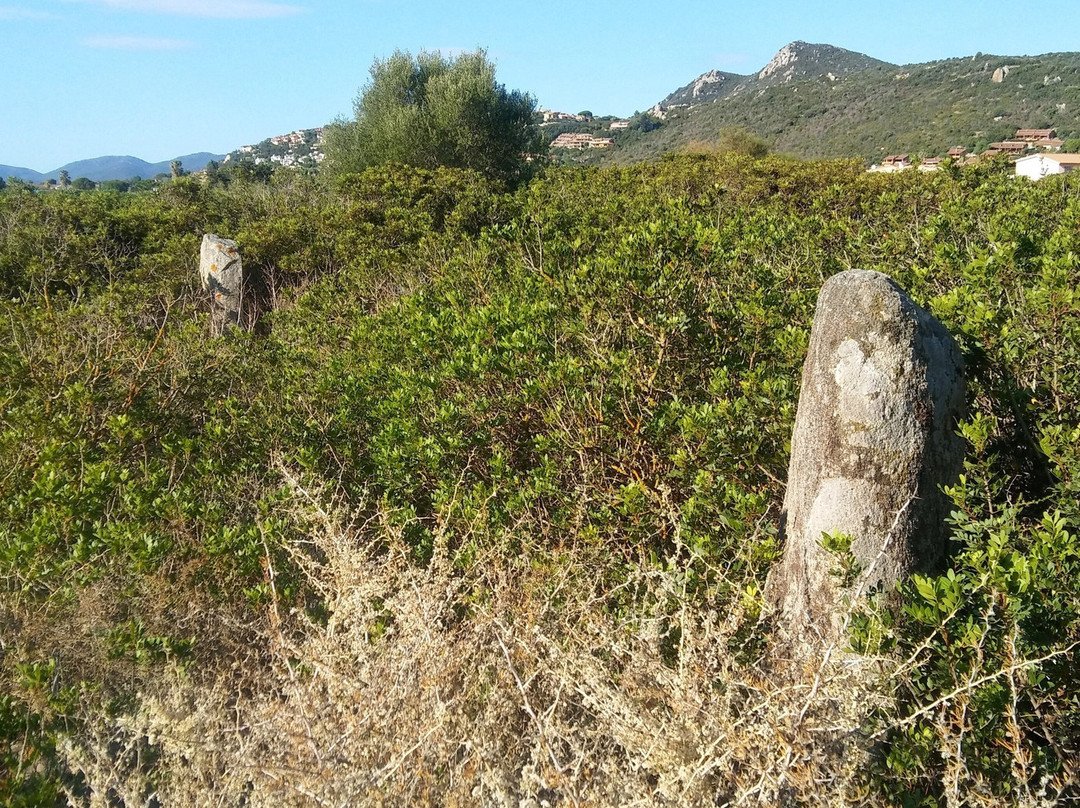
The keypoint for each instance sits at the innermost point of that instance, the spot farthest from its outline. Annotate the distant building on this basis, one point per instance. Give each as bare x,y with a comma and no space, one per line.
1037,166
572,140
1045,139
1034,135
930,164
619,125
957,152
892,163
581,140
553,116
1010,146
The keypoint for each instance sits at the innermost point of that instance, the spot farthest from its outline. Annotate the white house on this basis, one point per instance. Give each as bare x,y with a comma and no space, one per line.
1037,166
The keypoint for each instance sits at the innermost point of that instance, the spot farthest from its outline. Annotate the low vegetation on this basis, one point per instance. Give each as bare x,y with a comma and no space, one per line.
481,510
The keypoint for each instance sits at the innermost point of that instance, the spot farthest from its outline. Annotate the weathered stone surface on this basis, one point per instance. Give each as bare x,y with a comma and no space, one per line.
874,441
222,274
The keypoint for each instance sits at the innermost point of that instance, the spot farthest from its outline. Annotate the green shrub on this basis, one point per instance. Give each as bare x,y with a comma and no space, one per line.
602,365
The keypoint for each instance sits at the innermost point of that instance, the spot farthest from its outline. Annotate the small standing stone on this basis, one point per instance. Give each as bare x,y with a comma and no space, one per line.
222,273
874,441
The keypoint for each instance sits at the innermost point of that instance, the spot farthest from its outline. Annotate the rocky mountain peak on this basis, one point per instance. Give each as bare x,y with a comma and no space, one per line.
801,60
795,61
784,58
706,87
712,77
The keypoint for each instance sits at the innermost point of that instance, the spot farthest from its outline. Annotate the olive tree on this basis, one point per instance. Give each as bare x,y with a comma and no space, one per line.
432,111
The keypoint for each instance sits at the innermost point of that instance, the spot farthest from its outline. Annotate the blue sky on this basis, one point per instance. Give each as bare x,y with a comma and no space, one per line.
160,78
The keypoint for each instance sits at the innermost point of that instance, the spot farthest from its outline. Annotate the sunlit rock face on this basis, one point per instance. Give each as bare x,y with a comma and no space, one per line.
874,441
222,274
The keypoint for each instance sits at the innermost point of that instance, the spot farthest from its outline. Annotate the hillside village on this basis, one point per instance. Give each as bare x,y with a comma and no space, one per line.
1036,153
578,140
581,140
299,149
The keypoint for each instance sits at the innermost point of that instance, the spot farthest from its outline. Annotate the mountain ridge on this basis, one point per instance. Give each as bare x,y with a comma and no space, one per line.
820,101
795,61
111,167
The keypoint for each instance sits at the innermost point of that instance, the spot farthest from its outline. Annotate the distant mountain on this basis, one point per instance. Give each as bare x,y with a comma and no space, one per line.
795,62
706,87
823,101
99,169
124,168
27,174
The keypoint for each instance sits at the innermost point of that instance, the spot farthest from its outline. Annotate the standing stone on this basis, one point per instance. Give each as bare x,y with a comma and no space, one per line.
222,273
874,441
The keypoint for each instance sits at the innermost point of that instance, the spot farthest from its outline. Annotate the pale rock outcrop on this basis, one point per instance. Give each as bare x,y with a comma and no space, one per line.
222,274
874,441
705,79
785,57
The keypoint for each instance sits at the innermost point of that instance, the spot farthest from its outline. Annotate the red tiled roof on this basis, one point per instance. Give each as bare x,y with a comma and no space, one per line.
1009,145
1034,134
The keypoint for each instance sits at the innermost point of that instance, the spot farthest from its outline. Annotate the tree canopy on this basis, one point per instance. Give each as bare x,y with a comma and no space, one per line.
741,140
432,111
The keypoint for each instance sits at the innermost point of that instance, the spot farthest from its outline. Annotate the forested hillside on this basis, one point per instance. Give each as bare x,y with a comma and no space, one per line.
480,512
817,101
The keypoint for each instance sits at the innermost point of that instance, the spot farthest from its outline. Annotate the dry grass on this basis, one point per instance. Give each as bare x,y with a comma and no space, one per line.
509,683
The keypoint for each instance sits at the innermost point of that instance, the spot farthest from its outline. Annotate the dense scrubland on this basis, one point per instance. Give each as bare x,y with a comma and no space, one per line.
480,510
